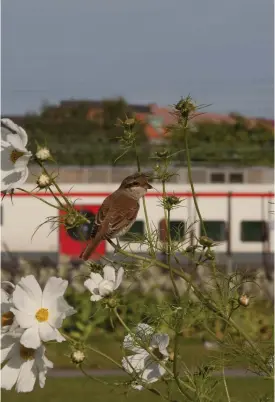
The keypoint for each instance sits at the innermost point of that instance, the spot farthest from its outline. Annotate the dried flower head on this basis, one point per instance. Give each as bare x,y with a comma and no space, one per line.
170,202
210,255
43,153
206,241
77,356
185,107
244,300
44,181
191,249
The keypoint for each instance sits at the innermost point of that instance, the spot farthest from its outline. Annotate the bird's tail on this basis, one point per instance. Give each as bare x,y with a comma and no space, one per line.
92,245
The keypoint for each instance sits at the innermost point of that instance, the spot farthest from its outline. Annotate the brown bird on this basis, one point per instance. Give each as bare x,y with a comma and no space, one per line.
118,211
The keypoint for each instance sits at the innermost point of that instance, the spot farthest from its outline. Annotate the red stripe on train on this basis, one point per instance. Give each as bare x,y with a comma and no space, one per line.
198,194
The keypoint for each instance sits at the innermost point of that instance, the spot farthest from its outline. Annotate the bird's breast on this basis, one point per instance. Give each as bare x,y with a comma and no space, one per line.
124,230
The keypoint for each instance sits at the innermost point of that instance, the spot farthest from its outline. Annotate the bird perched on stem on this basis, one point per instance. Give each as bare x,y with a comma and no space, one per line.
118,212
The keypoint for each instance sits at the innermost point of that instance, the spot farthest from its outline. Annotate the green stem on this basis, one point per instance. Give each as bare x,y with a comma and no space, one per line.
56,198
148,230
190,178
55,184
225,386
200,296
93,350
92,377
40,199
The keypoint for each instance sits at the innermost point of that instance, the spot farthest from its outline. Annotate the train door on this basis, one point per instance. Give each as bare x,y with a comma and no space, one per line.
70,241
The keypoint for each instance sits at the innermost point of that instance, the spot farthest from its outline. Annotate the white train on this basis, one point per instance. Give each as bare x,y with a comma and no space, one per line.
238,216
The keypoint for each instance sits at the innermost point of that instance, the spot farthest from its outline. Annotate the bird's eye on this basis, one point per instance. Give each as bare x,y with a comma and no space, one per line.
135,183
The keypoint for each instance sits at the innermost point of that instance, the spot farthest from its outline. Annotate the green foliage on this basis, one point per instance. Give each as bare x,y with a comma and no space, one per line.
77,136
236,143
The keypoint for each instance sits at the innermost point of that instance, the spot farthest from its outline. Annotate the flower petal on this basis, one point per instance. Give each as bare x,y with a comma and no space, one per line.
30,338
137,386
6,353
27,295
131,344
160,341
22,162
119,277
95,297
12,128
59,337
46,332
16,142
64,307
90,285
27,376
24,320
135,363
54,288
152,372
144,332
10,372
106,287
109,273
97,278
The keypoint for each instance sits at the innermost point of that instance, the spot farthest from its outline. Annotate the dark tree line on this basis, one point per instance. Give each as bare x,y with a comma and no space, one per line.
75,136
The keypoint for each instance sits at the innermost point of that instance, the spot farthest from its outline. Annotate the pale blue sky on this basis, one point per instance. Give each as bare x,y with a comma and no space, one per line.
146,50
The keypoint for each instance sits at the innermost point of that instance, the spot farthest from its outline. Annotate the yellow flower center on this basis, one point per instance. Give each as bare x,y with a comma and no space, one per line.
26,353
7,318
42,314
16,155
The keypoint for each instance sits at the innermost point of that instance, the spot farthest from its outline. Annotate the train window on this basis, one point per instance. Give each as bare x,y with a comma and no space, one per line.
177,229
217,177
216,230
136,231
82,232
236,178
253,231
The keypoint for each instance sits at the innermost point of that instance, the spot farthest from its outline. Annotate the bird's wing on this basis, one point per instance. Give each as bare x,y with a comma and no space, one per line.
124,211
116,212
101,215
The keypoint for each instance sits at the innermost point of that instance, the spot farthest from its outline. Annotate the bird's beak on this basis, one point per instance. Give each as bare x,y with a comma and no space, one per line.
148,186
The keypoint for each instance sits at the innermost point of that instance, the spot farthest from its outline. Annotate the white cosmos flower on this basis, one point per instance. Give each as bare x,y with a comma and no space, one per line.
141,362
103,286
40,313
14,155
23,364
8,323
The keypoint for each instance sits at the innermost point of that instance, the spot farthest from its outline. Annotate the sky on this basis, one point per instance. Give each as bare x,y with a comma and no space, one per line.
148,51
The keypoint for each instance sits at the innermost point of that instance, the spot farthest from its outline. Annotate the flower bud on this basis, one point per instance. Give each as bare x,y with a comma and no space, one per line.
206,241
191,249
130,123
43,154
210,255
244,300
162,154
70,220
43,181
112,303
77,356
185,106
170,201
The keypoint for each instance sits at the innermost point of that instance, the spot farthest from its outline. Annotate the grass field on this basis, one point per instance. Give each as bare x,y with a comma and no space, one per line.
193,353
83,389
